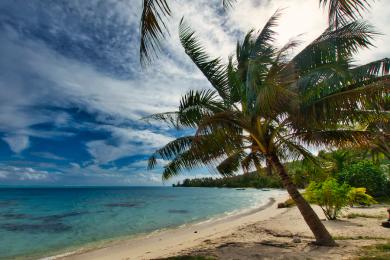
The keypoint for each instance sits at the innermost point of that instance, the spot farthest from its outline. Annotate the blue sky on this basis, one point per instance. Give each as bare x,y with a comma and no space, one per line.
73,92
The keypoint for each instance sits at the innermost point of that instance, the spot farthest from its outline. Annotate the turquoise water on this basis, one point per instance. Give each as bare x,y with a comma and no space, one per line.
43,221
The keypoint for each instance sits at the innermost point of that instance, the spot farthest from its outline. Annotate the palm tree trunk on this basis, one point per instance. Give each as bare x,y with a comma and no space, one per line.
268,168
322,235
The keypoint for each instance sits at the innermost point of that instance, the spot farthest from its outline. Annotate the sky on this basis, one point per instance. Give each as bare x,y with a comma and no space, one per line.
72,91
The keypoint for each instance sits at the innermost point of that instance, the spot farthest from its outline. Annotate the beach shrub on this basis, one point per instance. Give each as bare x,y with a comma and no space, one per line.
365,174
287,204
330,195
358,196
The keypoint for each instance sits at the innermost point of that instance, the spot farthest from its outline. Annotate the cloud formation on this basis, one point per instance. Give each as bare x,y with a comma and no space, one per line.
73,92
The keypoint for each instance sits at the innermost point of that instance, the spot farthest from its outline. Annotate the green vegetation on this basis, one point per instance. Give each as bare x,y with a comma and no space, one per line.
249,180
358,196
379,252
329,195
365,174
155,13
333,196
266,107
362,215
288,203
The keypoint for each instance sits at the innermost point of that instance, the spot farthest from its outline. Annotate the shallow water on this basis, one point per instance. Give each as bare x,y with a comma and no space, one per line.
43,221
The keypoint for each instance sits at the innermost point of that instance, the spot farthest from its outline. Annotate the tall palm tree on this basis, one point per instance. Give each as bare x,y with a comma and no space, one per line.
265,107
337,159
155,13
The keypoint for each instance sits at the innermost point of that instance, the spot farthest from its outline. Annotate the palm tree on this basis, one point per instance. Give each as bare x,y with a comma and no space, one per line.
265,107
155,13
337,160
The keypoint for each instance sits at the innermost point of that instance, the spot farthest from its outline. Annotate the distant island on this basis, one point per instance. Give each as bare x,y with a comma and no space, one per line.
248,180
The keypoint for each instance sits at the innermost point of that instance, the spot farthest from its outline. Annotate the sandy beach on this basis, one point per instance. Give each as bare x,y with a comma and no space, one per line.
264,233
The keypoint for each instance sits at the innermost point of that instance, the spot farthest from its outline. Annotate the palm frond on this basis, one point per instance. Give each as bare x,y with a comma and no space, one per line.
170,118
153,28
170,150
230,122
227,4
231,164
184,161
236,87
336,137
212,69
266,36
252,160
373,69
294,150
333,46
360,102
196,104
342,11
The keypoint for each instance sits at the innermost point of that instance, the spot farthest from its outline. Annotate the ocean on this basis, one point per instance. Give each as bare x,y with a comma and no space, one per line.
37,222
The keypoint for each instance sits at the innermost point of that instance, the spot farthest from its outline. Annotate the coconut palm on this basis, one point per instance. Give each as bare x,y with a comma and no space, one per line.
266,108
155,13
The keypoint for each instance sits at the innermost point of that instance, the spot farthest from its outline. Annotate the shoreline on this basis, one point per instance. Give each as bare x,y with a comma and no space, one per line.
165,242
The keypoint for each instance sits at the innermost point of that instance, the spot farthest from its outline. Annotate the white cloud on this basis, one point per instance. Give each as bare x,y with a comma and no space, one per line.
33,75
17,143
49,156
125,142
3,174
12,173
32,175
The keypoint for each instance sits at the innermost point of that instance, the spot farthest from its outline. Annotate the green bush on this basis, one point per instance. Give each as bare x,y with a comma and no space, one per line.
358,196
331,196
365,174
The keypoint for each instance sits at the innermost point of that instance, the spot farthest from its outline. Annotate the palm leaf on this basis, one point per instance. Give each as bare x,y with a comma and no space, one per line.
336,137
266,36
170,118
171,150
341,12
252,160
231,164
228,3
184,161
152,28
212,69
372,69
333,46
196,104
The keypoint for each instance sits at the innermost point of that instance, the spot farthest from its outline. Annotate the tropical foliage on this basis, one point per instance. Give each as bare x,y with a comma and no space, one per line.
365,174
155,13
337,162
359,197
331,196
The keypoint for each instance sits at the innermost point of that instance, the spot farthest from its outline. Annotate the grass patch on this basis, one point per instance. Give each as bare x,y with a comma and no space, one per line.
379,251
362,215
358,238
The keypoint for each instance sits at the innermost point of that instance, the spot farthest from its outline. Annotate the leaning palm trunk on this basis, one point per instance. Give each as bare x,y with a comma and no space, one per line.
322,235
268,168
